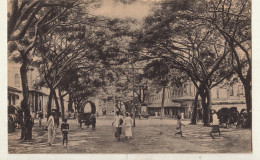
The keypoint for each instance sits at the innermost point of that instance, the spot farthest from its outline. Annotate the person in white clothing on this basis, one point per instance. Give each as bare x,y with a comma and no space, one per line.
128,126
118,121
214,124
50,125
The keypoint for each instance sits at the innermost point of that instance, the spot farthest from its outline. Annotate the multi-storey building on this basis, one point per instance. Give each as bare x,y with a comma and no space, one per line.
179,101
38,98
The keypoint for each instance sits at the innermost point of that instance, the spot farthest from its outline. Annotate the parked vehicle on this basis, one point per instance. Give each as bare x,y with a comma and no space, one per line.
233,116
144,111
223,115
11,123
12,118
243,120
228,116
86,114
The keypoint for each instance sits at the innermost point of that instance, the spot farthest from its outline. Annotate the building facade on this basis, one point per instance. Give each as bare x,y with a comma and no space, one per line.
180,101
38,98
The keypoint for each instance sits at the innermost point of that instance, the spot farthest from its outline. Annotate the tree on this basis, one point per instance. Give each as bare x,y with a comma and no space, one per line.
76,44
190,45
161,74
26,19
59,52
232,19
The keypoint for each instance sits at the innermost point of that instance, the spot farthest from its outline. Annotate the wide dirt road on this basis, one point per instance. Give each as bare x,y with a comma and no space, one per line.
146,139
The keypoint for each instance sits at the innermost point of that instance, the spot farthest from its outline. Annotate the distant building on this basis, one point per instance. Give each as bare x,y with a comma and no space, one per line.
180,101
38,98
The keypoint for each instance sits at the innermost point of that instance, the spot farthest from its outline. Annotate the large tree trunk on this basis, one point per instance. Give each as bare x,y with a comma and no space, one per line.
133,110
204,107
70,103
57,107
61,104
25,103
56,101
205,95
163,99
49,103
209,105
248,96
195,109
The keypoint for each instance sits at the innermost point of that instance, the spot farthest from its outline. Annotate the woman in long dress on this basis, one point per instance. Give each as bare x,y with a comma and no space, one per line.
50,124
128,127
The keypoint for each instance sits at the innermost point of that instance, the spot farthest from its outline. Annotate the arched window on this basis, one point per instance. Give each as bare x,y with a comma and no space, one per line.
231,91
17,80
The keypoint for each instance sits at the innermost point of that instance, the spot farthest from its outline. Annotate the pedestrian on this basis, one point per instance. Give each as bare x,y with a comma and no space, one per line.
118,121
65,131
40,117
182,115
93,120
214,124
56,124
54,131
128,127
50,125
179,125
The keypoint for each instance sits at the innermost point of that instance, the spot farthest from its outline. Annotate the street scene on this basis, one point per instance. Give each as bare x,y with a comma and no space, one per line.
129,76
146,139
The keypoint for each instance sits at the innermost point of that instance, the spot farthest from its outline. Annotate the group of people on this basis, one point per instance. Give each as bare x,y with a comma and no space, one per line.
52,127
214,125
119,122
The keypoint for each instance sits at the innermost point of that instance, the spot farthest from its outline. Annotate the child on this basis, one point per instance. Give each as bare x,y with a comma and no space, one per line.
179,124
65,131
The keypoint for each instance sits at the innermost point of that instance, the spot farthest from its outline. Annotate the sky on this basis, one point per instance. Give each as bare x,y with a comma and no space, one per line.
136,10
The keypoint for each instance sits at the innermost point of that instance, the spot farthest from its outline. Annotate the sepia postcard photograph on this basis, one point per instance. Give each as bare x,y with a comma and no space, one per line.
129,77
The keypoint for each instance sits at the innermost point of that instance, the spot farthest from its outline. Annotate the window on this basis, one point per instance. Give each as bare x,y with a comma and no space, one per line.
231,91
241,90
185,89
17,80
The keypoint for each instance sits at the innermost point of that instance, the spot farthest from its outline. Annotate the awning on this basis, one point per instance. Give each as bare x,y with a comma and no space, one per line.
38,92
173,105
185,98
154,105
13,90
166,104
228,102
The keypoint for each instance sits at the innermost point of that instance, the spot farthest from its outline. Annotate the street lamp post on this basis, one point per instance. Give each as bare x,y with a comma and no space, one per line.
133,108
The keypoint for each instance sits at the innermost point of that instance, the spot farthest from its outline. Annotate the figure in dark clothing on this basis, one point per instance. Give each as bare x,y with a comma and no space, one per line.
88,122
40,118
93,120
65,131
